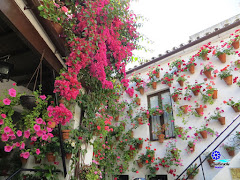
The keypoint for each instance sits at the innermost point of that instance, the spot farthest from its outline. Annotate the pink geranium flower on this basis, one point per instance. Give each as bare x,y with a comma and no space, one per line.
39,120
43,97
4,137
27,134
22,146
12,92
25,155
7,129
1,122
3,116
7,101
37,151
44,137
36,127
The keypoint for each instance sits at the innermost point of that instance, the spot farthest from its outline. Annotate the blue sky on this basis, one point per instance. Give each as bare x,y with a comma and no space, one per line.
171,22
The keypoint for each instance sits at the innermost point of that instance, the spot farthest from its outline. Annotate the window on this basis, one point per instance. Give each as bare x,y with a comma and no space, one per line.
161,99
159,177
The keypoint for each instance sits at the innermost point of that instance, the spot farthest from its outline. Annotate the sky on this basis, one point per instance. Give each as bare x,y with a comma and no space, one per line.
171,22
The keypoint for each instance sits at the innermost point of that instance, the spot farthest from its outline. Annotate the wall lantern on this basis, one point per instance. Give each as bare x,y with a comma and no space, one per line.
5,68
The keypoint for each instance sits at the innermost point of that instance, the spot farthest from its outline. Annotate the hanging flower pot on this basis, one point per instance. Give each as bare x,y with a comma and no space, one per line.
117,138
184,108
199,111
141,90
211,162
140,146
140,120
51,123
140,164
131,135
205,56
196,93
175,97
28,101
204,134
123,124
161,138
158,75
37,161
61,101
222,57
68,155
235,108
148,115
222,120
192,148
5,70
117,118
208,74
65,134
231,152
154,85
181,83
169,85
235,44
215,93
50,157
138,101
179,67
58,28
192,69
228,80
24,161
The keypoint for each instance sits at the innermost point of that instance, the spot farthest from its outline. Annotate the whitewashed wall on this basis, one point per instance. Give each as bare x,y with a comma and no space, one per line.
224,93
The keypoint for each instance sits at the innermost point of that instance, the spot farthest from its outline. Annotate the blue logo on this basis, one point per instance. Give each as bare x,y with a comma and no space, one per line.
216,155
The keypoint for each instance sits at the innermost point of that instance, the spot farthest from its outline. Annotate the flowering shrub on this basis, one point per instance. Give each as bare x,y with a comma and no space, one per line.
60,114
207,96
209,67
225,48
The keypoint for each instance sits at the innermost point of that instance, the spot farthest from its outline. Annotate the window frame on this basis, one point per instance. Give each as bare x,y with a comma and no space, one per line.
162,116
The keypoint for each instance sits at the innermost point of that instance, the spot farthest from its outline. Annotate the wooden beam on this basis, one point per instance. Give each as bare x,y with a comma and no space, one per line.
17,18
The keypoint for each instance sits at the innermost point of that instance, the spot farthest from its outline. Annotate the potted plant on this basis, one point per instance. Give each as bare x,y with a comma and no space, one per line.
137,142
167,79
191,146
139,83
208,70
191,65
209,94
180,132
192,171
155,111
203,52
52,149
234,105
159,132
210,160
66,132
69,148
49,171
230,150
184,109
195,88
234,39
237,63
177,63
222,52
176,94
152,80
181,80
204,130
217,116
137,100
226,75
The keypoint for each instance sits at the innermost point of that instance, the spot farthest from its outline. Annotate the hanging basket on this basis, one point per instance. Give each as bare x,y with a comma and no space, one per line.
235,44
28,101
192,69
228,80
169,85
222,120
68,156
138,101
204,134
205,57
52,124
24,161
5,70
222,57
175,98
196,93
158,75
140,146
154,85
192,149
208,74
236,108
140,164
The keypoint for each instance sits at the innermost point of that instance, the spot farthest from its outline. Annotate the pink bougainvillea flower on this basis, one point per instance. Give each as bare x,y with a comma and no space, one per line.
7,129
3,116
39,120
8,148
12,92
1,122
36,127
43,97
7,101
26,134
37,151
19,133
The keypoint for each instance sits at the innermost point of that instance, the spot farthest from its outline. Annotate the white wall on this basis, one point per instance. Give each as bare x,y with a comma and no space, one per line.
224,93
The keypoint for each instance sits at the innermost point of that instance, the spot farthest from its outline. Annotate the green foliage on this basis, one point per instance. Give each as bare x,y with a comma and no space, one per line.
48,174
192,170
